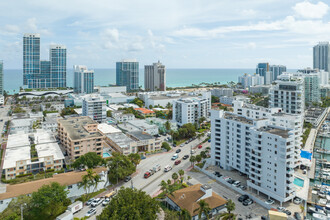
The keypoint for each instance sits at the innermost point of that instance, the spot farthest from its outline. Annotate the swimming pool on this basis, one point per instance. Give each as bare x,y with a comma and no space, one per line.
298,182
105,155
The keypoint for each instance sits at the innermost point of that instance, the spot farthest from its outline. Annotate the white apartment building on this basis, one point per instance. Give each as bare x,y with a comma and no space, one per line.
222,92
155,77
248,80
189,110
288,94
120,117
95,108
262,143
323,77
312,88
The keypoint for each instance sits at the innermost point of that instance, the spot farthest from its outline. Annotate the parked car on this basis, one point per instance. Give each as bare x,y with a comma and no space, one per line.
209,140
128,178
270,202
247,202
178,150
174,157
177,162
243,197
237,183
297,200
231,181
90,201
281,209
287,212
187,142
242,187
96,202
90,212
297,216
174,145
192,151
143,157
106,202
199,146
167,168
181,145
185,157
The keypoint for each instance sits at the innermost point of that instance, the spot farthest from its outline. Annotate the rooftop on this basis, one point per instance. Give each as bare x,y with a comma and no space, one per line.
144,110
280,132
49,149
187,198
238,118
141,135
120,139
75,127
107,129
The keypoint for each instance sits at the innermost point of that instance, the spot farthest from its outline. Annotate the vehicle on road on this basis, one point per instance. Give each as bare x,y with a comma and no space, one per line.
187,142
231,181
178,151
65,216
128,178
174,157
90,212
209,140
217,174
143,157
148,173
192,151
111,194
167,168
242,187
75,207
270,202
185,157
227,178
243,197
89,201
177,162
96,202
200,146
297,216
281,209
247,202
181,145
287,212
157,168
106,202
174,145
237,183
297,200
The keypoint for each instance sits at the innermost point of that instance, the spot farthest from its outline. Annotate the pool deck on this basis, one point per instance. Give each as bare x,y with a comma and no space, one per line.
302,192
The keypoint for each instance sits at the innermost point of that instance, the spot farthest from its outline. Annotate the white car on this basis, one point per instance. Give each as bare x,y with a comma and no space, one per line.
106,202
297,200
167,168
280,209
90,212
96,202
237,183
270,202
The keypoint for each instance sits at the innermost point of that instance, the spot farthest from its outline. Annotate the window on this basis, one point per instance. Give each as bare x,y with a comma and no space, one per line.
21,168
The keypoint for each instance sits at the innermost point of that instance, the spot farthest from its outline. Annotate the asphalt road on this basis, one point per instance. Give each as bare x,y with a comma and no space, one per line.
151,185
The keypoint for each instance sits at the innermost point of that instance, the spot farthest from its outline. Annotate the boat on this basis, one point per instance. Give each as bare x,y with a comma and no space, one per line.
312,210
321,194
318,216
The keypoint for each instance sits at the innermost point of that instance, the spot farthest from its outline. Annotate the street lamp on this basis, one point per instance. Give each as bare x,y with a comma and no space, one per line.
22,210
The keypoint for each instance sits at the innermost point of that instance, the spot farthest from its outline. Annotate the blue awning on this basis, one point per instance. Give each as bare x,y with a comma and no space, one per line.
306,154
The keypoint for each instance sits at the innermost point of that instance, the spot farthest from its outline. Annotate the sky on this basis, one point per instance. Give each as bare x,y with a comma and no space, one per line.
179,33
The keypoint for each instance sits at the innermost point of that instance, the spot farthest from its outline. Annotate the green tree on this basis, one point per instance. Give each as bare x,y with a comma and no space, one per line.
203,154
138,102
119,166
175,176
90,160
184,215
214,99
198,158
192,160
166,146
135,158
164,187
181,172
13,211
109,113
150,106
230,206
49,201
130,204
203,208
167,125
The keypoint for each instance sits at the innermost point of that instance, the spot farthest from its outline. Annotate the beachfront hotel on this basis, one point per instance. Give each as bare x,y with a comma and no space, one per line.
155,77
127,74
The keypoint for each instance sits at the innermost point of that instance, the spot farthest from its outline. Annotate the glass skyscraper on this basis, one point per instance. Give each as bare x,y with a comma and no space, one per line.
83,81
43,74
321,56
127,74
31,59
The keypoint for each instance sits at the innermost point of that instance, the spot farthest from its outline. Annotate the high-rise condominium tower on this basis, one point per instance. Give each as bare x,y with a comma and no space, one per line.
155,77
321,56
43,74
83,81
127,74
1,77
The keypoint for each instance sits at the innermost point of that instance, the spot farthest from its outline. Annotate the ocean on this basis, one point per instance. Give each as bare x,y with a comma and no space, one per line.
13,78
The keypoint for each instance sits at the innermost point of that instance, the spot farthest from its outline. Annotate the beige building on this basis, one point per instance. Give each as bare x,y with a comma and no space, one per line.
31,153
80,135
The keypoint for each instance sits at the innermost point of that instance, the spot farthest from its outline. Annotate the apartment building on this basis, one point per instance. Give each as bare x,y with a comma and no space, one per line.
248,80
190,110
222,92
31,153
80,135
262,143
288,94
95,108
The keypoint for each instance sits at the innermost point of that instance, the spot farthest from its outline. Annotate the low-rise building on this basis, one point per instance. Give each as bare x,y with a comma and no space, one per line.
263,89
23,125
139,125
80,135
145,112
31,153
188,198
121,117
161,124
50,124
227,100
110,89
222,92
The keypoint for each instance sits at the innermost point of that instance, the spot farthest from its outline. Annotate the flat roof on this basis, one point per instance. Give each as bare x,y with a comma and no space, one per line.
49,149
23,122
238,118
141,135
16,154
280,132
107,129
75,127
120,139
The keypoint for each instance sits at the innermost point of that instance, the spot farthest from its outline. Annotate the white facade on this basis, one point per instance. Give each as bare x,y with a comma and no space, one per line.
264,145
227,100
323,78
110,89
83,81
248,80
222,92
189,110
95,108
288,94
2,100
120,117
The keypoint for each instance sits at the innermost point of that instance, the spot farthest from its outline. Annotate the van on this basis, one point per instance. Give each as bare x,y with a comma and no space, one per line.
167,168
193,151
175,156
157,168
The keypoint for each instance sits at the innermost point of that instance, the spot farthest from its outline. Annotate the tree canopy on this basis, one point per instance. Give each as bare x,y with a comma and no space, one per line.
120,166
130,204
91,160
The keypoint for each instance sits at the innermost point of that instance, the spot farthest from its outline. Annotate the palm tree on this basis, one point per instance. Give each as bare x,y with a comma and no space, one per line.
228,215
181,172
164,187
167,126
192,160
175,176
230,206
184,215
204,208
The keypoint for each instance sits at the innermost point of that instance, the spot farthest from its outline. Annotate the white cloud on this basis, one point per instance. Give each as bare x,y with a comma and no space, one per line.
111,34
135,47
309,10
